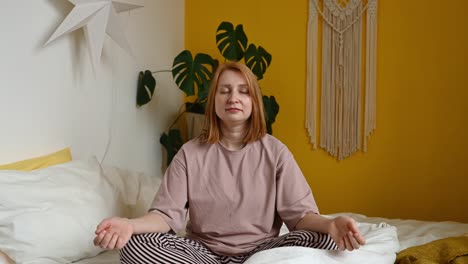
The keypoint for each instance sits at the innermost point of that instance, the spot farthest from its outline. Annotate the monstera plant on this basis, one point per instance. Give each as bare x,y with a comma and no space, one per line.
193,75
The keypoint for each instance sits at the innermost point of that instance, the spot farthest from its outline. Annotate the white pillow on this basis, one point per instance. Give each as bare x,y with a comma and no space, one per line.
51,214
137,189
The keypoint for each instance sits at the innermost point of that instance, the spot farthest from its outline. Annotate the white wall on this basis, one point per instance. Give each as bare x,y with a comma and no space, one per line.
50,98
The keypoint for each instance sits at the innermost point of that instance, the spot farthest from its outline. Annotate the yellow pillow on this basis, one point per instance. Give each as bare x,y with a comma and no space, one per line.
58,157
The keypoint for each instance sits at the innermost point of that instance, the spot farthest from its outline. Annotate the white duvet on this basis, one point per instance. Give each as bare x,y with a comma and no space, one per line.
381,247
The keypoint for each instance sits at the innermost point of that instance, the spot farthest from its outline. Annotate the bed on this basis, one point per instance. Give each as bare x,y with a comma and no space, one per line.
48,215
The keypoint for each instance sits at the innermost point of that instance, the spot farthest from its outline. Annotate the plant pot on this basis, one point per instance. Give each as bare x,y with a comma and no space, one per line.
195,124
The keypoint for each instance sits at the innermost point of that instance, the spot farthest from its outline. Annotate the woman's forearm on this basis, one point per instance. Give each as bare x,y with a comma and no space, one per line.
149,223
314,222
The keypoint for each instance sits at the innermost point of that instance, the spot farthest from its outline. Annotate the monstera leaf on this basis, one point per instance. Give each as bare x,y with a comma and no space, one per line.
189,72
231,42
145,87
203,92
172,142
205,86
257,60
271,110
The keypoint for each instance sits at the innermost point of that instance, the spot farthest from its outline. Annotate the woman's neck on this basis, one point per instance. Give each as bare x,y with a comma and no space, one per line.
233,137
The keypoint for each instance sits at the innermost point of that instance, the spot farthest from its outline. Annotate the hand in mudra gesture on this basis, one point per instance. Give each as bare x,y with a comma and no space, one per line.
345,233
113,233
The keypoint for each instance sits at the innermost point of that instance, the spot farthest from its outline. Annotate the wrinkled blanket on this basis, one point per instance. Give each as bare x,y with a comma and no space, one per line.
451,250
381,247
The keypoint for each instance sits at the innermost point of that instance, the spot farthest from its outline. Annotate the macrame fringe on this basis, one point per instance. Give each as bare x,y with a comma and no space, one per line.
311,89
371,75
340,128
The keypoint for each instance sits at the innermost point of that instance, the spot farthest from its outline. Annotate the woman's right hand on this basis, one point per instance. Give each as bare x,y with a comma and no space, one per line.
113,233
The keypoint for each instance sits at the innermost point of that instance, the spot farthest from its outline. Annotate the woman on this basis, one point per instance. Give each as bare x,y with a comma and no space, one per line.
236,183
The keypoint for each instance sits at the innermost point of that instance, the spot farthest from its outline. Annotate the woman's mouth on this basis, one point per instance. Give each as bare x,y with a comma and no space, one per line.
233,110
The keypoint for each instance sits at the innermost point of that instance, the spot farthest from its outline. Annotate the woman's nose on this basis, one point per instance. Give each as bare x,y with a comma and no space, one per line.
233,98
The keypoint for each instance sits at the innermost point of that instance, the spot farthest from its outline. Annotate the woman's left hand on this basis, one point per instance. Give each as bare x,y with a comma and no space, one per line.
345,233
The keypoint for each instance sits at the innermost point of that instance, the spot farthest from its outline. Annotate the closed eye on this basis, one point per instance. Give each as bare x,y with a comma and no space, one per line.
244,89
224,90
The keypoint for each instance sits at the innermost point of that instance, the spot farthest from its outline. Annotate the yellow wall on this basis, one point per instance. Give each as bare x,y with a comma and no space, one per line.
416,165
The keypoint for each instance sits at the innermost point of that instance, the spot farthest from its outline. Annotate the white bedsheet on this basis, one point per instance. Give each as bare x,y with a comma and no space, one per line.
108,257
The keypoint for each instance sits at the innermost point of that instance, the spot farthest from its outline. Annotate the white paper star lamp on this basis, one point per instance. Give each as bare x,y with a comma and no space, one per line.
96,17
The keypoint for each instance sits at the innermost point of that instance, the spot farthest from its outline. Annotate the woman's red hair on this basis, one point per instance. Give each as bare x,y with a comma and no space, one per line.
256,128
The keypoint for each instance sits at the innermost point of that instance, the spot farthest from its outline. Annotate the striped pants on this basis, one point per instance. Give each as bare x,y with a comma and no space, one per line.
168,248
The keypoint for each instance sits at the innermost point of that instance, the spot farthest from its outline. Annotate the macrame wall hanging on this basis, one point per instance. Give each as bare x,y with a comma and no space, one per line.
341,107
